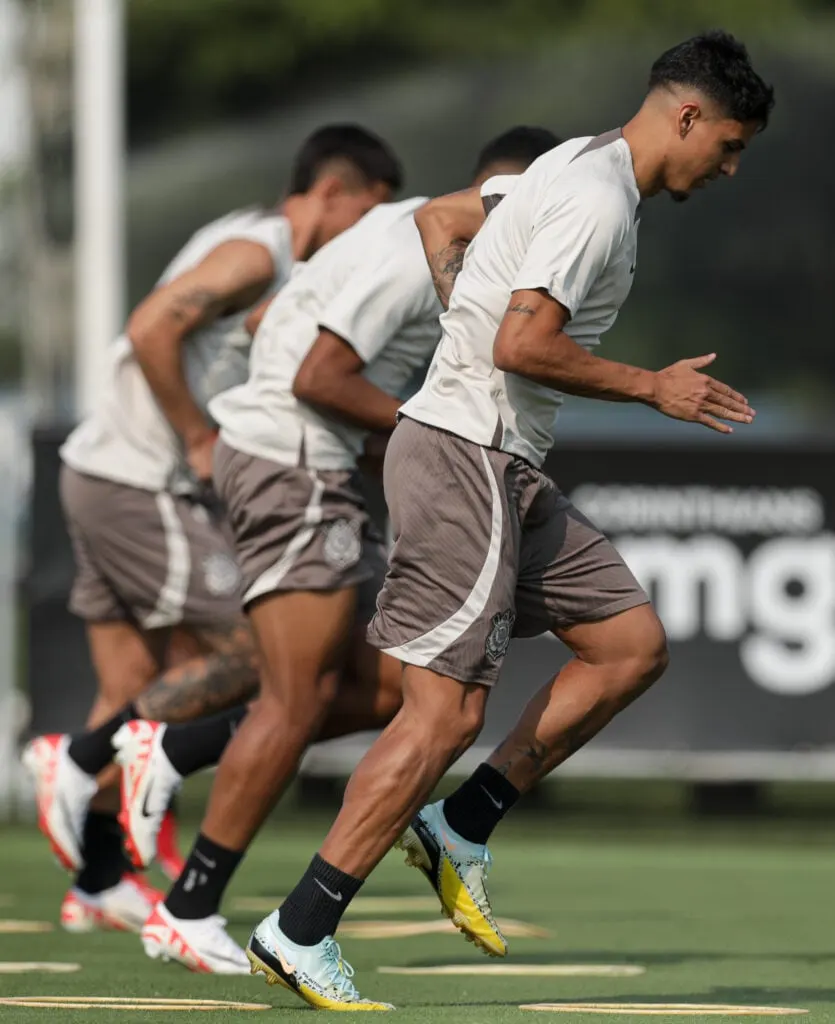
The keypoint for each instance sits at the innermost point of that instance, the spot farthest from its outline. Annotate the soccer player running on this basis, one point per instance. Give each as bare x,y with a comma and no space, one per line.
485,546
333,352
154,568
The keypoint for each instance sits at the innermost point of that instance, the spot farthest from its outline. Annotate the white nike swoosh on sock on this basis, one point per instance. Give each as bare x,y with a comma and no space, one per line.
498,804
333,895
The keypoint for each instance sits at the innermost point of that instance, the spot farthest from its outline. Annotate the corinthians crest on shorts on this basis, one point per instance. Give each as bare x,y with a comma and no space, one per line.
343,544
221,573
498,639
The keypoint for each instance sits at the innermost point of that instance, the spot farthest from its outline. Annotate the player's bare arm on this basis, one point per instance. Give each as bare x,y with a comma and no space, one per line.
447,225
331,380
231,278
532,342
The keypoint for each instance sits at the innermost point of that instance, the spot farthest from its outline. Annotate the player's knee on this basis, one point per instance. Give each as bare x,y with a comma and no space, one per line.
650,656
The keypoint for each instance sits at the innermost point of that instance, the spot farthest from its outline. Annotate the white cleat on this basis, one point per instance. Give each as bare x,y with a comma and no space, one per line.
148,782
203,945
62,793
124,907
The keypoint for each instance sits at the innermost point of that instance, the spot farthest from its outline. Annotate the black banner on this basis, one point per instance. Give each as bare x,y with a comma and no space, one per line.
736,545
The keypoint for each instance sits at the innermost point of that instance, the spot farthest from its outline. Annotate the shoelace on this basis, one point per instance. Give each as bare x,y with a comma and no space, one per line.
339,972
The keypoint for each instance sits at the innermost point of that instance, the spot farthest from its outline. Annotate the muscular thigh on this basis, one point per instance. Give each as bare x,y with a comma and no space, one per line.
569,572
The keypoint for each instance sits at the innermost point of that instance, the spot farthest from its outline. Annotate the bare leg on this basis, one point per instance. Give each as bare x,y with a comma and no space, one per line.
439,720
616,661
302,639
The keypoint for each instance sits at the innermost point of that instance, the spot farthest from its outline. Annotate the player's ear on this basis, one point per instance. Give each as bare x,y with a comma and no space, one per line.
688,114
329,186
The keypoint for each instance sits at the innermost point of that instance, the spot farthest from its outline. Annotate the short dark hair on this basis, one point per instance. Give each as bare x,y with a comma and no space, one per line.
719,66
367,152
522,143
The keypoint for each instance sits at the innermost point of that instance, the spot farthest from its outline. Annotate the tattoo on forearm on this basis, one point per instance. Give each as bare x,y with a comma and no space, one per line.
520,307
445,266
207,684
193,304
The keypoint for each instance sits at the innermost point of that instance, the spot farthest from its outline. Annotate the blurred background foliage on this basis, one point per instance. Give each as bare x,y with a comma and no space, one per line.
221,91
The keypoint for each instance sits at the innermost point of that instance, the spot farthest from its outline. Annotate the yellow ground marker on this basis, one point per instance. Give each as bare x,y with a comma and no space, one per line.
359,906
666,1009
24,927
407,929
529,970
34,966
127,1003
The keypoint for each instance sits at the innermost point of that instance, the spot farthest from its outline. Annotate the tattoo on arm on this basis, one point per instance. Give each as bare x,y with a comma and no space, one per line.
520,307
446,266
193,304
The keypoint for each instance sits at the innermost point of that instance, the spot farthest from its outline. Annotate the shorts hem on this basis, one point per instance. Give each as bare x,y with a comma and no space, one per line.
606,611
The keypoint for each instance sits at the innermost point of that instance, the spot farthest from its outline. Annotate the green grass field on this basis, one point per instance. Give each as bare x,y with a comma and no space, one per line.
738,914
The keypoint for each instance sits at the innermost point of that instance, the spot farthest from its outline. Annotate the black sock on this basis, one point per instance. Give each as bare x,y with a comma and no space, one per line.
91,750
315,907
104,859
199,744
479,804
199,889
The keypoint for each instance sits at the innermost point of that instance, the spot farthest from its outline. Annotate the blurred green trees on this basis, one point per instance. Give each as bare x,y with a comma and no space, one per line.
191,61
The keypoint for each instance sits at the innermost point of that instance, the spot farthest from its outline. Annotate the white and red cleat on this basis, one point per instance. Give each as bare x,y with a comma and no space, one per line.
125,907
204,946
62,793
148,783
169,858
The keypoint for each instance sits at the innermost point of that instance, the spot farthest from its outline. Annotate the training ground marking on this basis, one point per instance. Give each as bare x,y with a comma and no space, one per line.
530,970
666,1009
359,906
127,1003
34,967
25,927
407,929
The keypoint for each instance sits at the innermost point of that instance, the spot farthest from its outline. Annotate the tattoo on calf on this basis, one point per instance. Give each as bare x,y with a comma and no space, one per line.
205,685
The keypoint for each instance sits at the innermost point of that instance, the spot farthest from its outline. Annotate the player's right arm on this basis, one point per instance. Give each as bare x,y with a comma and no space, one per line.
576,234
447,225
232,277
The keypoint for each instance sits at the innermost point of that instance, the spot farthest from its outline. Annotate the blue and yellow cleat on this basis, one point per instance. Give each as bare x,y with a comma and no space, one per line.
457,871
317,974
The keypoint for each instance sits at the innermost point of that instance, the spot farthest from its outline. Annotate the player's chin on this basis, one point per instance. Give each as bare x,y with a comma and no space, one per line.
678,196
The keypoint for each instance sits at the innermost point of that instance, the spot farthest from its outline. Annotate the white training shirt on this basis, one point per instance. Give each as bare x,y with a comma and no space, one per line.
127,438
371,286
569,226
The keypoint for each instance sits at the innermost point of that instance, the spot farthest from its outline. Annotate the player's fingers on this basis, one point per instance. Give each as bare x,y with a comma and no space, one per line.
729,403
709,421
698,361
724,412
722,389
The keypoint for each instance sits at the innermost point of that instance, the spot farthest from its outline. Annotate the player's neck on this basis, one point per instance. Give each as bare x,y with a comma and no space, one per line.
643,138
304,216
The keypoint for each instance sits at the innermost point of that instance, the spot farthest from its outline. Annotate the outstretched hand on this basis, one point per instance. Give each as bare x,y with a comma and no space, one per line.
684,393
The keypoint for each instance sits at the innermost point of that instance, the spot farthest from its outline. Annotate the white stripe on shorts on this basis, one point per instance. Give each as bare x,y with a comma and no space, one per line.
270,578
424,649
172,597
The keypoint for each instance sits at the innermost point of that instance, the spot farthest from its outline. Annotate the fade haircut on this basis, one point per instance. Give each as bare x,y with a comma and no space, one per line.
349,145
522,144
719,67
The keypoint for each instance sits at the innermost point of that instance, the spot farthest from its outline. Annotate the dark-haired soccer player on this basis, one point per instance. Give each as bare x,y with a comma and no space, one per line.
151,558
485,545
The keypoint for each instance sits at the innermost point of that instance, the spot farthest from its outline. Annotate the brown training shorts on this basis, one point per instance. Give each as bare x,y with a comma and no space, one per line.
298,529
147,557
485,547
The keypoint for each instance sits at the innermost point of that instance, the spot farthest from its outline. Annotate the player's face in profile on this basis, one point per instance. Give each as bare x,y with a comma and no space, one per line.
344,207
710,147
